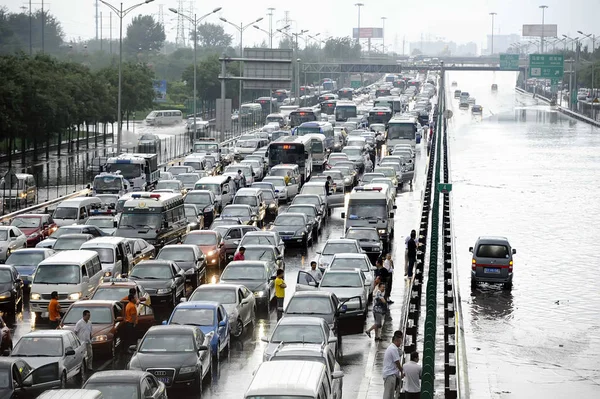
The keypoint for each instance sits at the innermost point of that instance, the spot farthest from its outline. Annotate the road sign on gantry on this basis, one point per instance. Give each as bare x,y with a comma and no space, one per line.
509,62
546,66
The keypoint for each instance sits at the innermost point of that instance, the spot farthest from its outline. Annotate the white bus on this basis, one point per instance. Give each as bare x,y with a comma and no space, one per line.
166,117
402,130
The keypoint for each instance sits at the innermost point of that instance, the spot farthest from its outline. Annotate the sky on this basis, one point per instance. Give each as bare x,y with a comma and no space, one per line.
460,21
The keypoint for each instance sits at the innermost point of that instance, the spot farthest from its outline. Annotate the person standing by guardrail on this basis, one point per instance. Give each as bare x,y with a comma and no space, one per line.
392,368
411,251
412,377
388,264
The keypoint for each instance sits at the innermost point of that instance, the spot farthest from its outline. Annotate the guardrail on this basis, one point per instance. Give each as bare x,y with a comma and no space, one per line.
35,208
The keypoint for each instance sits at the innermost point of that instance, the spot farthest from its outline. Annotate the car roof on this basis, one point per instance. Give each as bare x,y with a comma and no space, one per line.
302,215
255,246
218,286
301,321
248,191
351,256
198,305
492,240
186,246
327,294
247,262
94,303
341,241
172,328
297,376
47,333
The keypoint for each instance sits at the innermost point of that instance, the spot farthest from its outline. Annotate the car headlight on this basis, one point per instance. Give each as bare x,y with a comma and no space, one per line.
259,294
381,231
74,296
211,253
6,294
35,296
187,370
272,206
34,235
346,180
100,338
162,291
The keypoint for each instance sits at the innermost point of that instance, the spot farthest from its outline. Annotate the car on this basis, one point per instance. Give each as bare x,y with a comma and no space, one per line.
471,100
477,110
454,84
107,323
256,276
492,261
238,301
177,355
337,178
140,249
211,244
106,223
206,203
315,217
271,203
208,316
117,289
494,87
368,240
72,229
232,236
388,172
25,260
174,184
457,93
257,167
130,384
194,217
70,242
189,258
36,226
162,279
368,177
346,261
310,330
11,290
164,175
294,228
11,239
225,221
348,285
266,253
22,380
348,176
284,193
336,246
241,212
313,199
263,237
44,347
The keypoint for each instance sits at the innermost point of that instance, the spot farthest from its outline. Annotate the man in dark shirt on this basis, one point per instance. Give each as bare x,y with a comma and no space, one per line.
411,251
381,273
327,185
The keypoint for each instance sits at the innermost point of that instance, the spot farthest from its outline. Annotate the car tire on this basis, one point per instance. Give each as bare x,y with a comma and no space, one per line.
473,283
507,286
174,299
198,384
217,354
63,380
238,329
81,376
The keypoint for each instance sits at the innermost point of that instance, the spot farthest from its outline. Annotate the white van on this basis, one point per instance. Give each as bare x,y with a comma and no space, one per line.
115,255
73,274
71,394
75,210
166,117
295,379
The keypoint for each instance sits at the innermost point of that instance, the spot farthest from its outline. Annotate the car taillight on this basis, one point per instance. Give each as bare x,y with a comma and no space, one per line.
510,266
473,264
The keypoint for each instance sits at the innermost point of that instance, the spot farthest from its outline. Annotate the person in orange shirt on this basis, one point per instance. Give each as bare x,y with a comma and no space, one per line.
54,310
131,319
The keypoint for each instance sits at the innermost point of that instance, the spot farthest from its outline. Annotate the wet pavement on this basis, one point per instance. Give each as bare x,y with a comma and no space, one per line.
530,174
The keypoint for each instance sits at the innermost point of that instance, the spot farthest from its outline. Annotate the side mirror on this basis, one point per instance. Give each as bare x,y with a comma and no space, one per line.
115,224
343,309
182,300
164,323
289,184
202,348
69,352
253,174
222,323
28,381
336,375
264,339
165,224
392,215
85,279
132,349
125,186
45,226
279,257
514,251
395,207
343,215
470,249
6,352
18,281
119,319
318,252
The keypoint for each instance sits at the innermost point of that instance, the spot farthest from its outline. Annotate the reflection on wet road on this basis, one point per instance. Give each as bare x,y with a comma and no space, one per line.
530,174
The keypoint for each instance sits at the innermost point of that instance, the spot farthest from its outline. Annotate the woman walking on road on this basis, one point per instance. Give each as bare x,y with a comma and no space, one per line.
379,310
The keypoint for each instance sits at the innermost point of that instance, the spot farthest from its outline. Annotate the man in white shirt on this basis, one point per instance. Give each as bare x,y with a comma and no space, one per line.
314,272
392,368
83,330
412,377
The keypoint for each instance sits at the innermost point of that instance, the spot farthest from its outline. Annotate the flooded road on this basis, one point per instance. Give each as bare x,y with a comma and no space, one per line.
530,174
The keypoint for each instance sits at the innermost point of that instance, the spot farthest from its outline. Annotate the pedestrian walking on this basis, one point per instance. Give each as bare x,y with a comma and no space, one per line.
83,330
406,240
379,310
412,377
315,274
388,264
392,368
240,254
411,251
328,185
131,319
280,287
381,273
54,310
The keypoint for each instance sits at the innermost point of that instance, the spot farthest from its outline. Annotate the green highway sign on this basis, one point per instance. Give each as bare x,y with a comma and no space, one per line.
546,66
509,62
444,187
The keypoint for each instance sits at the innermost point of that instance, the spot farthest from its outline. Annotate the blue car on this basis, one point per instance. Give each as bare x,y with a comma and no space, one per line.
210,317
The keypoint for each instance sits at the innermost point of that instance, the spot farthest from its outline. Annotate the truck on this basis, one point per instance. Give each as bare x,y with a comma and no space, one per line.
110,183
139,170
207,147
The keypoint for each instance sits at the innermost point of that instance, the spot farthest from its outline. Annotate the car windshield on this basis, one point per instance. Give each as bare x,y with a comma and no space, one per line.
341,280
277,181
265,254
387,172
65,213
307,200
308,305
268,194
34,346
26,223
335,175
69,243
101,223
193,317
244,272
169,185
5,276
319,190
106,255
188,179
110,293
245,200
307,210
353,152
151,221
190,211
167,343
363,235
367,177
57,274
367,210
257,240
221,295
333,248
25,258
289,220
152,271
201,239
115,391
391,164
350,263
199,198
234,211
177,254
247,144
175,170
299,334
98,315
493,251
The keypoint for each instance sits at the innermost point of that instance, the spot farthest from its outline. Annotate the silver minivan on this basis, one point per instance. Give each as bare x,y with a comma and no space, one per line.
221,186
492,261
75,210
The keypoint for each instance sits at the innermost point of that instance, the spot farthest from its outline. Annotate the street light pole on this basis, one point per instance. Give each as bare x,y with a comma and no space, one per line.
271,9
121,14
359,5
383,30
542,39
593,38
493,14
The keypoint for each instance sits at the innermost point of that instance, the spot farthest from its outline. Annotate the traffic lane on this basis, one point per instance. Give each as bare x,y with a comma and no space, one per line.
519,173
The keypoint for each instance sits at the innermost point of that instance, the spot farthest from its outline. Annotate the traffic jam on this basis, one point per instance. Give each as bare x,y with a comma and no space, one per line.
144,287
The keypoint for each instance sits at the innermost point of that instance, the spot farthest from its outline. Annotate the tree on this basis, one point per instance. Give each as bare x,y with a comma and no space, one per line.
212,36
144,33
207,78
285,43
415,52
342,48
14,32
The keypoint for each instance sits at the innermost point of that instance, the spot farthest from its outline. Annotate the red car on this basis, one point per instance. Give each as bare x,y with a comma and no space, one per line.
211,244
36,226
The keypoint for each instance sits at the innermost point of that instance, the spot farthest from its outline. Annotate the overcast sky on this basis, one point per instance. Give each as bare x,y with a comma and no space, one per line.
456,20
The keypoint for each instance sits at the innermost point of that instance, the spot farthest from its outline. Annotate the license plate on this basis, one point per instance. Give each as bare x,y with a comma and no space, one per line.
492,270
164,380
286,238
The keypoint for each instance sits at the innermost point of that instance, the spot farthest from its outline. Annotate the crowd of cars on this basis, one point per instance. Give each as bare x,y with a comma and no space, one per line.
467,101
175,246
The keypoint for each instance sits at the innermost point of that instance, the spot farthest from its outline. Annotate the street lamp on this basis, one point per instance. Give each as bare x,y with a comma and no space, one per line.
542,39
270,34
121,14
359,5
383,30
241,29
195,21
593,37
306,42
493,14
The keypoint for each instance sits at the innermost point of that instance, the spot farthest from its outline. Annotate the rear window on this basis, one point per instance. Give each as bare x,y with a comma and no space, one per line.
492,251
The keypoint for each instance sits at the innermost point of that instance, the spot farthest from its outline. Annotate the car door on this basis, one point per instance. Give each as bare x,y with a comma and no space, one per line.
293,186
247,304
71,362
335,200
222,331
179,278
242,305
306,282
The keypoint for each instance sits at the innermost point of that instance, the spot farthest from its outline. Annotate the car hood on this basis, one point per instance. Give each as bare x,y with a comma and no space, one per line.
345,292
184,264
252,285
29,231
37,362
47,243
25,270
154,284
164,360
296,230
97,329
329,318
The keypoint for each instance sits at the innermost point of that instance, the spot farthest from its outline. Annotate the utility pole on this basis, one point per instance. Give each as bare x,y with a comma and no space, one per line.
270,14
43,23
383,31
101,23
30,31
110,31
542,39
493,14
97,7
